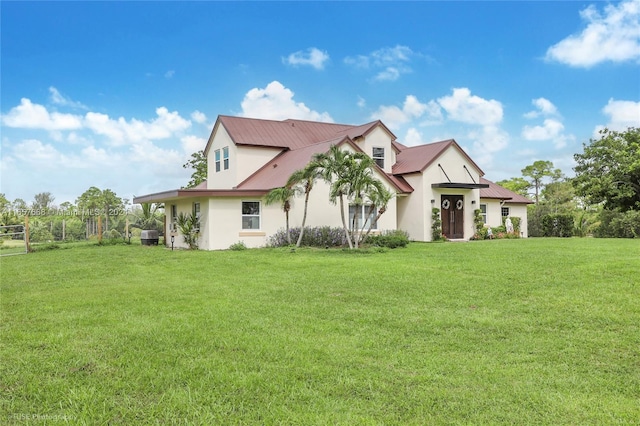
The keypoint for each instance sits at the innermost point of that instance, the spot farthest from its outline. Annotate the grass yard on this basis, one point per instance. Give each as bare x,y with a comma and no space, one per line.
537,331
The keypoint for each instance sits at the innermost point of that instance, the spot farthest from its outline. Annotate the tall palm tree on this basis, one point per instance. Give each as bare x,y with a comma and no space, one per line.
282,195
334,167
379,196
307,178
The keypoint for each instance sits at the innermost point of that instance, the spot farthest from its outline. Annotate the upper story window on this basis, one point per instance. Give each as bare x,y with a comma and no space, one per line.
378,156
504,211
251,215
217,157
225,157
483,212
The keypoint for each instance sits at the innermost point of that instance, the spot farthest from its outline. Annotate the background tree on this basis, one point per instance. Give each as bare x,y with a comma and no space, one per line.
519,185
608,171
197,162
43,201
306,178
537,173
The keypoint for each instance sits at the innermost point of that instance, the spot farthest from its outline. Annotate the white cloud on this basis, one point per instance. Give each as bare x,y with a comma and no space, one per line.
551,130
121,131
543,107
391,62
361,102
35,153
612,36
198,117
28,115
313,57
413,137
169,74
622,114
466,108
59,99
412,108
275,102
191,144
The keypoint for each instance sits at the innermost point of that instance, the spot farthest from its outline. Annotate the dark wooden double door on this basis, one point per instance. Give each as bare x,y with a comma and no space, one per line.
452,216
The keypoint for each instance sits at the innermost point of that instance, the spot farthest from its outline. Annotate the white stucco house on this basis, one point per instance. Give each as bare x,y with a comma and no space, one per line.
247,158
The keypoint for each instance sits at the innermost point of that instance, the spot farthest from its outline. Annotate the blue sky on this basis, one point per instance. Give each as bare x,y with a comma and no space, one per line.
119,94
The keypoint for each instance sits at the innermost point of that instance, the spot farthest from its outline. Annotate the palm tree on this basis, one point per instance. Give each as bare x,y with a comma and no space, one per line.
379,196
283,196
335,164
307,178
149,217
361,180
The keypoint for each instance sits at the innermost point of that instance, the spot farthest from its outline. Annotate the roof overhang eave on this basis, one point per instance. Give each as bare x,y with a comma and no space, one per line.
198,193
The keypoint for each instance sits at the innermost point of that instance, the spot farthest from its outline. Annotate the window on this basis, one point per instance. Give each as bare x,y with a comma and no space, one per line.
250,215
362,215
504,211
174,217
378,156
196,213
217,153
483,213
225,157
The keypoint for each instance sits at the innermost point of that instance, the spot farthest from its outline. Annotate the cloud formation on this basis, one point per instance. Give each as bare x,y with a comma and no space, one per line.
58,98
610,36
28,115
389,62
312,57
275,102
551,128
462,106
622,114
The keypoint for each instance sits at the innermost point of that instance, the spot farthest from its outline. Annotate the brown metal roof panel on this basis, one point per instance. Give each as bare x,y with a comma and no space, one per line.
417,158
276,172
496,191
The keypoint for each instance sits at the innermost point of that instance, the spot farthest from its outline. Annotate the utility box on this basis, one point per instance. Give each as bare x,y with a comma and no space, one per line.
149,238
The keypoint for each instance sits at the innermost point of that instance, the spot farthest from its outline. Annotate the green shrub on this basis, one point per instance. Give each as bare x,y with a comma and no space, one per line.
557,225
389,239
239,246
615,224
436,225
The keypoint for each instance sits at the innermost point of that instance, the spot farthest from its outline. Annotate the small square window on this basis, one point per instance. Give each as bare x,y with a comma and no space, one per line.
504,211
250,215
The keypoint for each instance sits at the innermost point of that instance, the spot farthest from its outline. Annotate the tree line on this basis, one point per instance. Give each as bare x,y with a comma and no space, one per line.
94,212
602,199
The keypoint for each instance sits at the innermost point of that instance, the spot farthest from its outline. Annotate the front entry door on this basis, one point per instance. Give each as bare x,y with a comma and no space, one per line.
452,216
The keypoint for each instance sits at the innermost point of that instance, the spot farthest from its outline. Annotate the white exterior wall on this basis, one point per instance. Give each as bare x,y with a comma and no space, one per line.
243,161
186,207
452,161
494,214
379,138
414,210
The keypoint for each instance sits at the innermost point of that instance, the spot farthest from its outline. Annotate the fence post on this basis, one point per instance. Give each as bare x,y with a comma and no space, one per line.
26,233
99,229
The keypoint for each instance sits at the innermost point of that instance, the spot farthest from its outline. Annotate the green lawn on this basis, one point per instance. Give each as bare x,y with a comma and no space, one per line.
537,331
